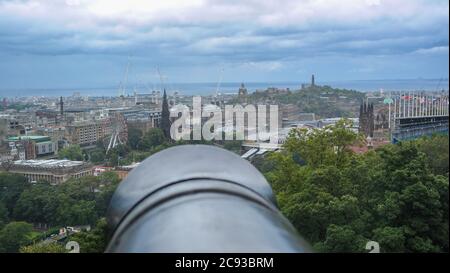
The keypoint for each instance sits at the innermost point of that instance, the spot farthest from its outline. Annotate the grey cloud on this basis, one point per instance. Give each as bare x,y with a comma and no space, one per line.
267,34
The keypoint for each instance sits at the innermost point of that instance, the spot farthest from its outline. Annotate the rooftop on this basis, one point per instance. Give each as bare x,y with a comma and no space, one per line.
51,163
34,138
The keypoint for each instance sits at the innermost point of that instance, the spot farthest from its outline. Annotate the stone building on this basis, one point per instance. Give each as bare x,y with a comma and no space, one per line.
88,132
366,119
53,171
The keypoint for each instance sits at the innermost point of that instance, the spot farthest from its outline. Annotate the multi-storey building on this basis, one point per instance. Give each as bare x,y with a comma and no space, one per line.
88,132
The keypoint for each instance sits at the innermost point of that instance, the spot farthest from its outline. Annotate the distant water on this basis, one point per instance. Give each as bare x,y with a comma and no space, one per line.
232,87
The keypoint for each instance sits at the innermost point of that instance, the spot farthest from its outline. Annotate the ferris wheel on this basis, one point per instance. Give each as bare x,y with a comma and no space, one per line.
119,131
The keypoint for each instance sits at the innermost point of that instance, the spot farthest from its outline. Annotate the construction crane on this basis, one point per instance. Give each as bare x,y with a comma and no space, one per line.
439,84
161,78
122,87
219,82
217,94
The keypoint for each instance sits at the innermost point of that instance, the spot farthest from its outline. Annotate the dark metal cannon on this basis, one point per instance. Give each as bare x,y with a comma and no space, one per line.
198,198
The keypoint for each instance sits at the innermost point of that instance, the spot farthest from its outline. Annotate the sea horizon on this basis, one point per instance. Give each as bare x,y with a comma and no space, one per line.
209,88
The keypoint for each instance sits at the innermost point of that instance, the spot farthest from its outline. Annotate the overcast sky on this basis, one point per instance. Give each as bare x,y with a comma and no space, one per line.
87,43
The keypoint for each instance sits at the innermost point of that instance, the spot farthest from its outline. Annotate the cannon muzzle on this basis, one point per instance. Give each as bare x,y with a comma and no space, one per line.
198,198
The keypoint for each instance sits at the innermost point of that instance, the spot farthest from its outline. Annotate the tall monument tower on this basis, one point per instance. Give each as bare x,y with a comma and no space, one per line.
313,82
242,93
61,106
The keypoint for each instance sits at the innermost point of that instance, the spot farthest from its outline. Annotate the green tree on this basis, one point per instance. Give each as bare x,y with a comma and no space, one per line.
83,188
76,202
390,239
117,153
37,204
72,212
97,156
165,117
233,145
436,148
72,152
14,235
4,219
341,239
93,241
339,200
43,248
11,187
109,182
328,146
134,138
153,138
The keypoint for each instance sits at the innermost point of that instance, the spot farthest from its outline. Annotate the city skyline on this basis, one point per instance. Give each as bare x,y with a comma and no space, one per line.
77,43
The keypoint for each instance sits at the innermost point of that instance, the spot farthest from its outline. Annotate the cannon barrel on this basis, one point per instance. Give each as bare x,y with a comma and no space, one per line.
198,198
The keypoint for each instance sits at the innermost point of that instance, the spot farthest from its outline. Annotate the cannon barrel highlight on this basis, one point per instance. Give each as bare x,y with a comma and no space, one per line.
198,198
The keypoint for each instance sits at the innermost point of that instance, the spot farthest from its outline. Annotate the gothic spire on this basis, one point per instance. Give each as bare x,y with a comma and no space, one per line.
165,116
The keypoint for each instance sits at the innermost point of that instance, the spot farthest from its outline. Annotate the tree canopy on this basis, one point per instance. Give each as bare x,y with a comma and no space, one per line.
77,202
134,137
339,200
72,152
14,235
43,248
152,138
93,241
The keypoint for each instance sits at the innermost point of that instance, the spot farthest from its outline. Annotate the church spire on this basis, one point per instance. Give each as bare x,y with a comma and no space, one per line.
165,116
